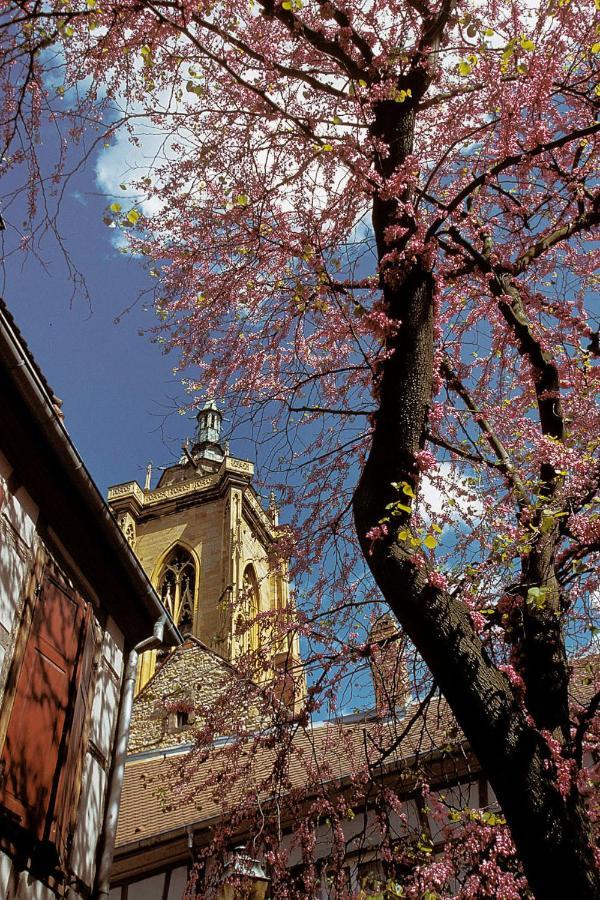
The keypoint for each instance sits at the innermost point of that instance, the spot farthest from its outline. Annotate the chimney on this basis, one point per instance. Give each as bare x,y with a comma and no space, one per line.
388,667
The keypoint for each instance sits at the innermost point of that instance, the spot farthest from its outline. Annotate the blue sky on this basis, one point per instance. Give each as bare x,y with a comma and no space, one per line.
120,395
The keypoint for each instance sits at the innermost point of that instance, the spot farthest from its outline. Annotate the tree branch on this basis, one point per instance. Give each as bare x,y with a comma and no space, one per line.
504,463
507,163
318,41
580,223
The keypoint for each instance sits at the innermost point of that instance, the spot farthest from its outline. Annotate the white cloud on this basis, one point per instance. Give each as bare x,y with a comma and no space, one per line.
444,490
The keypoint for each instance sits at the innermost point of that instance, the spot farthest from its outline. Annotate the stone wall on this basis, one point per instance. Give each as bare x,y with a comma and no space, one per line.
192,676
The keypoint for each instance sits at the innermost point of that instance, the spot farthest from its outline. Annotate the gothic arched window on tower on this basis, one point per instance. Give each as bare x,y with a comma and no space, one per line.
177,588
252,605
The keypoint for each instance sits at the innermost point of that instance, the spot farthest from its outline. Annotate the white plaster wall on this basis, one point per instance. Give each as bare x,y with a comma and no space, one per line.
178,884
8,876
152,888
105,708
89,820
148,889
17,536
112,646
18,517
31,889
104,711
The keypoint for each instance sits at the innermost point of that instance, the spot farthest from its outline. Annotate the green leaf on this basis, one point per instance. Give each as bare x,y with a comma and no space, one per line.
547,523
596,47
400,96
464,69
536,596
132,216
430,542
327,147
192,88
403,507
115,207
242,200
146,53
406,489
527,44
336,120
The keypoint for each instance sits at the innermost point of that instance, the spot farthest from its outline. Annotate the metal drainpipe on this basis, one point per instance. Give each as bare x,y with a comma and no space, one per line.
115,787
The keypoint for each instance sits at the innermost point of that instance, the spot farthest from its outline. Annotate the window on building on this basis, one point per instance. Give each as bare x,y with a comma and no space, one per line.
181,719
49,693
177,721
252,607
177,588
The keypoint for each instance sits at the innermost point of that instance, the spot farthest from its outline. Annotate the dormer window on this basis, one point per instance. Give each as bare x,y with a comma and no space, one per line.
178,721
181,719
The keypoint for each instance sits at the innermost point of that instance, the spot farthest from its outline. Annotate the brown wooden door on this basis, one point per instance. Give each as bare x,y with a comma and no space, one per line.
37,736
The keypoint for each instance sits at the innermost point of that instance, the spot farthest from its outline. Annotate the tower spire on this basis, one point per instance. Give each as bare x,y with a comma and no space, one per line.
208,433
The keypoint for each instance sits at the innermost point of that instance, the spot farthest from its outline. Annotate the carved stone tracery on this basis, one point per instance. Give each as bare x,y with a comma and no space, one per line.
177,588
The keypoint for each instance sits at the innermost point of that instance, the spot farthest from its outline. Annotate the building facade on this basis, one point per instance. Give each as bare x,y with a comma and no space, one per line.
75,606
207,543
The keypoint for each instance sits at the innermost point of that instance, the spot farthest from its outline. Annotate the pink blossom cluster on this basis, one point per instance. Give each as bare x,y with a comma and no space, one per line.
563,769
425,460
437,580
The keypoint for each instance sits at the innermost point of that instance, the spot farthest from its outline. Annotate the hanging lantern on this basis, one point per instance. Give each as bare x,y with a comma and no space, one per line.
243,878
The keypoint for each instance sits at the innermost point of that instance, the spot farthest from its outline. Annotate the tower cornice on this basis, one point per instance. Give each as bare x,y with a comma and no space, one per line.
232,472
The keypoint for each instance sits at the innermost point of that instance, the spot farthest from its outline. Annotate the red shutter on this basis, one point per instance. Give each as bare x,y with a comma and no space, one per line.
39,724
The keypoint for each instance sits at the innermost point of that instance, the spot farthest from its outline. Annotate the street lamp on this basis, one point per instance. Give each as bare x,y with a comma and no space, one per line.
243,878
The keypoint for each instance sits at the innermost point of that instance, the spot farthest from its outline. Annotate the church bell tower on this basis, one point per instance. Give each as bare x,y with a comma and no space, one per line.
206,542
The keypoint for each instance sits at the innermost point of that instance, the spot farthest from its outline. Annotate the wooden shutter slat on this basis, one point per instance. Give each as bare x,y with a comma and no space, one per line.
40,713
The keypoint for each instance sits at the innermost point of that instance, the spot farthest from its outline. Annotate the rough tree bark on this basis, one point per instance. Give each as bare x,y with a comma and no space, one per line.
549,831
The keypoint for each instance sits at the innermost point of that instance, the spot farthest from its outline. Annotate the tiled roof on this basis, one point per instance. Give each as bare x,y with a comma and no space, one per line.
167,791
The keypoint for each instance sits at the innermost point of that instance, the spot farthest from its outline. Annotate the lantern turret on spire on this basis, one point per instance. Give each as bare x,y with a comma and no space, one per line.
208,433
